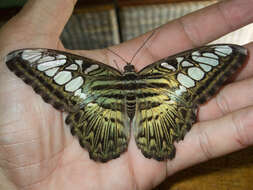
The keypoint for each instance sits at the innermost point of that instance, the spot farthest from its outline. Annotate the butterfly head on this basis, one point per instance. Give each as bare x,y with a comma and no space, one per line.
129,72
129,68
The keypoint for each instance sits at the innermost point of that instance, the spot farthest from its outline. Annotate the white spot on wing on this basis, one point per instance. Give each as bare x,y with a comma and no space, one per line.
181,90
179,59
51,64
185,80
223,50
74,84
46,59
62,77
79,62
31,55
72,67
206,60
168,66
91,68
80,94
60,56
195,53
51,72
186,64
211,55
196,73
205,67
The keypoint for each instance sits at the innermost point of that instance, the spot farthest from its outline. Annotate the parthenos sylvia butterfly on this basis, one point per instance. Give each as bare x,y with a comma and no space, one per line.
158,103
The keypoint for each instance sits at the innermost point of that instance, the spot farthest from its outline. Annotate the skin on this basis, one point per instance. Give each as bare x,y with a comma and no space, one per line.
37,150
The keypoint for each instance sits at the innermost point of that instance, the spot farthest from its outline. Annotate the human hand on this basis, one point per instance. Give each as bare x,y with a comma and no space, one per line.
37,150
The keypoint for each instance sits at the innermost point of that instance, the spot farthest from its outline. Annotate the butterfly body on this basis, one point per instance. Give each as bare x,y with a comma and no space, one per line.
157,104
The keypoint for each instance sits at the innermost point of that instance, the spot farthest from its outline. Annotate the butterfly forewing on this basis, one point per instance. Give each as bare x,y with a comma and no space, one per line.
181,82
78,85
196,74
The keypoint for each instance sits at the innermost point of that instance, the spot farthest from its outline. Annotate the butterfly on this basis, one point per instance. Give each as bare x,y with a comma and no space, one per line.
158,104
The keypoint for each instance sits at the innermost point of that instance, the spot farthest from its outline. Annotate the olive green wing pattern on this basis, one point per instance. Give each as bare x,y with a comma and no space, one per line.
66,81
159,102
159,122
103,130
175,86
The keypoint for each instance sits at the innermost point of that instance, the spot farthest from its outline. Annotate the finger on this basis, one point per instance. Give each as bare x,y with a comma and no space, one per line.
212,139
236,95
192,30
232,97
247,70
45,16
204,26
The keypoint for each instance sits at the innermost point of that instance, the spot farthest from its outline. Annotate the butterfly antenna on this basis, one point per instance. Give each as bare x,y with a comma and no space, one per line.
138,50
117,55
144,43
115,62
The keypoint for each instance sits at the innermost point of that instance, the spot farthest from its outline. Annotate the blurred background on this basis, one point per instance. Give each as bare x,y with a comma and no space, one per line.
98,24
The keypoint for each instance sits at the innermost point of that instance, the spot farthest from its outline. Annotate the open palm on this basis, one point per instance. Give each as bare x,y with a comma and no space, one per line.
37,150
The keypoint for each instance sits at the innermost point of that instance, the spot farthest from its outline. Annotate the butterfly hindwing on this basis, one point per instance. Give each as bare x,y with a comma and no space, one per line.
181,82
159,123
68,82
104,132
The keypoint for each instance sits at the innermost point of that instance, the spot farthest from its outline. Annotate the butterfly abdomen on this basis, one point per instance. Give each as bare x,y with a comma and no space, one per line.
130,105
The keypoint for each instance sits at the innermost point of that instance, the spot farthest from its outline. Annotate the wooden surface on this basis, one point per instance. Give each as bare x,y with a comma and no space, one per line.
231,172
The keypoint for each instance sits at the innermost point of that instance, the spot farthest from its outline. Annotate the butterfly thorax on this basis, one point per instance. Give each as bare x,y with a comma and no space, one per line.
129,72
130,76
